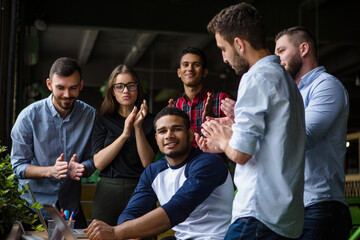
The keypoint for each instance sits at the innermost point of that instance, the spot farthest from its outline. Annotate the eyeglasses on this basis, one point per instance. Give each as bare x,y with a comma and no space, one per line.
131,86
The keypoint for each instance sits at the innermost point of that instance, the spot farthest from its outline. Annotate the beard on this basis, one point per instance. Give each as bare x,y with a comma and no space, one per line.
175,154
294,65
181,152
240,64
64,106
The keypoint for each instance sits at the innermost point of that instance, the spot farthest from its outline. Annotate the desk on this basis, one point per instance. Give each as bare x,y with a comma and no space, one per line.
44,236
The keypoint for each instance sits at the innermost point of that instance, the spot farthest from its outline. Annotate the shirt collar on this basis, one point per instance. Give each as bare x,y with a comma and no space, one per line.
202,94
309,77
50,105
193,153
264,60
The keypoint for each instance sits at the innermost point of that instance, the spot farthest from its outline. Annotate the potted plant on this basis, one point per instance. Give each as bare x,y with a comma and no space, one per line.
12,207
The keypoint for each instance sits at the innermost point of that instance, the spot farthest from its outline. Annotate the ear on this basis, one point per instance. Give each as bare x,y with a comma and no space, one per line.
48,84
239,45
304,49
81,84
205,73
179,72
191,134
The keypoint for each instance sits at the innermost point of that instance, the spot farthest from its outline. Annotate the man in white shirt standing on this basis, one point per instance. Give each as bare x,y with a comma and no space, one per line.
267,139
326,105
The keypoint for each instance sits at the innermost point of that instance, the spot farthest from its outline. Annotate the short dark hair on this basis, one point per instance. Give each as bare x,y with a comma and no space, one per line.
241,20
64,67
298,35
173,111
196,51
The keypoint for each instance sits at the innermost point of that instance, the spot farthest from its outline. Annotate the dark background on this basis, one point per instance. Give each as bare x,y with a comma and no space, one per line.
148,36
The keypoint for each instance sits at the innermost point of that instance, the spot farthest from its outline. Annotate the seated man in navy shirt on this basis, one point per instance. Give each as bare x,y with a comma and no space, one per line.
194,189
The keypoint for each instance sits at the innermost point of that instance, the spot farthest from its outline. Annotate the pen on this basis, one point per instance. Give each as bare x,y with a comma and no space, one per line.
70,219
62,212
67,213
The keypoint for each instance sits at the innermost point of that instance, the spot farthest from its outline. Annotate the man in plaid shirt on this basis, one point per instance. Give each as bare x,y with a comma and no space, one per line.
197,101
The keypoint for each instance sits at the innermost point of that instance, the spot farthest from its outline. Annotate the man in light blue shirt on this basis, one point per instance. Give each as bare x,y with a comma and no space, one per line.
51,148
267,139
326,113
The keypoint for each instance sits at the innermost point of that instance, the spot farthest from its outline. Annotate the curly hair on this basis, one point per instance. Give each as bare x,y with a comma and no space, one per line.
241,20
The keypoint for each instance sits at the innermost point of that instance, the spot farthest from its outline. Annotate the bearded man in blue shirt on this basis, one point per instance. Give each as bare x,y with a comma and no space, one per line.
326,105
50,142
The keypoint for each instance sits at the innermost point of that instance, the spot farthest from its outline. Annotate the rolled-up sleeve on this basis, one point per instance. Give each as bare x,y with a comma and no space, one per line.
250,110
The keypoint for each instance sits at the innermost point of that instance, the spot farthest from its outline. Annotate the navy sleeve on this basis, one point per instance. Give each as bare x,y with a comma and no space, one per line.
143,199
205,173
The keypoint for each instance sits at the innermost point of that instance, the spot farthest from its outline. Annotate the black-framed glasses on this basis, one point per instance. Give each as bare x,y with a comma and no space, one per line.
131,86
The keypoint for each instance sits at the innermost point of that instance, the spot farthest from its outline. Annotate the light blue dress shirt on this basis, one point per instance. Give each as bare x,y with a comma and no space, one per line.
39,136
270,126
326,113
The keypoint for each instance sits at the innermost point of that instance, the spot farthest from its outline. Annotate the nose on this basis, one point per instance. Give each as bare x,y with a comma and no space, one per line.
224,58
67,93
190,67
126,89
169,134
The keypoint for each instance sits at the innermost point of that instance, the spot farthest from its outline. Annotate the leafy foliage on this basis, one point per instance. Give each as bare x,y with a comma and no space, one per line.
12,207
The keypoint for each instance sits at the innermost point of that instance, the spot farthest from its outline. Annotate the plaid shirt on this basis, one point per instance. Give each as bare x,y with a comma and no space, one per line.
195,108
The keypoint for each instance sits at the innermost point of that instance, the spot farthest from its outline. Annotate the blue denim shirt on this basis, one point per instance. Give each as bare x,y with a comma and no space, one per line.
39,136
270,126
326,113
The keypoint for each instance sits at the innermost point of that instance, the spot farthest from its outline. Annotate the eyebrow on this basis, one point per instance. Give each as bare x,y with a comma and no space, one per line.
60,85
190,62
172,126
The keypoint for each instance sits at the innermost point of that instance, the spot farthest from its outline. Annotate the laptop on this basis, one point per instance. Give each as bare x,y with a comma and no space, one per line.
69,234
77,232
41,217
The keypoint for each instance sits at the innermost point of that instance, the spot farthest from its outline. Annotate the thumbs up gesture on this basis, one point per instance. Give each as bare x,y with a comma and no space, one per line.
76,170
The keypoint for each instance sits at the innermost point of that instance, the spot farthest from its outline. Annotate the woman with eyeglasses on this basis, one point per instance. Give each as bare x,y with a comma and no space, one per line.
123,143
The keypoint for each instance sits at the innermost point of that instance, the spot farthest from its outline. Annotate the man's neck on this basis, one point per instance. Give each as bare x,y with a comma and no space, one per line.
192,91
256,55
178,160
307,67
62,112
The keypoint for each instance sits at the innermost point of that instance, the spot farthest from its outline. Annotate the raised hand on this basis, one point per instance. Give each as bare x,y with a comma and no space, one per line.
223,121
140,116
129,123
227,106
59,170
218,136
208,108
205,145
76,170
171,103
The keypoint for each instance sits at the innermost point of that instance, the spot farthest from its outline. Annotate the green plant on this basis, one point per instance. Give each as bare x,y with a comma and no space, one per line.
12,207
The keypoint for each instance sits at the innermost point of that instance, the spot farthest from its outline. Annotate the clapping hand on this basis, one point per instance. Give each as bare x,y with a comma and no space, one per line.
76,170
227,106
60,168
208,108
140,116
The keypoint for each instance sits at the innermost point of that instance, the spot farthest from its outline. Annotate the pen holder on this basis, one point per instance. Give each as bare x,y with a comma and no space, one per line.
54,232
